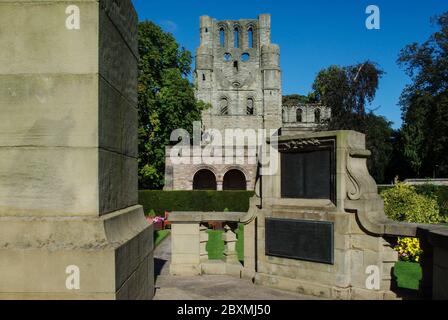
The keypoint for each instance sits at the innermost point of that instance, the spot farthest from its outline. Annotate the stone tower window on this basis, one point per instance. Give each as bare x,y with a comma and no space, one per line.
250,107
236,37
250,37
203,77
235,66
224,106
299,115
317,116
222,37
245,57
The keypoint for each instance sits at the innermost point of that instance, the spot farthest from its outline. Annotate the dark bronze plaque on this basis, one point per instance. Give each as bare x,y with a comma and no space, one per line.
300,240
309,173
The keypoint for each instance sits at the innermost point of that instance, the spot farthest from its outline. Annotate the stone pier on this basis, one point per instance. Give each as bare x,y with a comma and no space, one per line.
70,223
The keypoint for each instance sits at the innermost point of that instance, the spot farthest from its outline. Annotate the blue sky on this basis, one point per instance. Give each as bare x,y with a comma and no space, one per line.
315,34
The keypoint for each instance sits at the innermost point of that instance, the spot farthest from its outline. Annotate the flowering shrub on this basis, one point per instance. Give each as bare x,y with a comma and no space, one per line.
403,203
409,249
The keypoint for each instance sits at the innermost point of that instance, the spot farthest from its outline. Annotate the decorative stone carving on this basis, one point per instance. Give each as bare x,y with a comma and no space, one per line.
298,144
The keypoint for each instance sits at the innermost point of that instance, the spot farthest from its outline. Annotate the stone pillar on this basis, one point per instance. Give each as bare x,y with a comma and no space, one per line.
203,243
250,249
229,237
70,223
185,249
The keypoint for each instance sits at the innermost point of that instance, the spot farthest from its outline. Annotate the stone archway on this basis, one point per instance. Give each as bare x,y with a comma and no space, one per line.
235,180
204,180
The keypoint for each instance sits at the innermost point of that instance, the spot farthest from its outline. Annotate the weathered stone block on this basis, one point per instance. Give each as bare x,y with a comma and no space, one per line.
38,41
68,195
48,181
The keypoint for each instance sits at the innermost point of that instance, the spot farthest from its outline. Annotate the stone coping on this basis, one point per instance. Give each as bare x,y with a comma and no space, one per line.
437,235
197,217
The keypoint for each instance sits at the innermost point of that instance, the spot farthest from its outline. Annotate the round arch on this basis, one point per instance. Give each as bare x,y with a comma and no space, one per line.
204,179
235,179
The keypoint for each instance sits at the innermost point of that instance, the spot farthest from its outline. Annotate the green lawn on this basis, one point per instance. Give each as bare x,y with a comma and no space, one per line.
215,245
408,274
159,236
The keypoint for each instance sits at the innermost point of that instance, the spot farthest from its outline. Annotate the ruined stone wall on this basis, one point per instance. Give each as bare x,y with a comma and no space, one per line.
237,73
241,82
181,176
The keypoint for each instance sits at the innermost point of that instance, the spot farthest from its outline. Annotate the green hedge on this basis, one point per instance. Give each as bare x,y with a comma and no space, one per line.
161,201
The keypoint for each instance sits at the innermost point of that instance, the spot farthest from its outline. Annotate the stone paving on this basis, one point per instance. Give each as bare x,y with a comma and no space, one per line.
208,287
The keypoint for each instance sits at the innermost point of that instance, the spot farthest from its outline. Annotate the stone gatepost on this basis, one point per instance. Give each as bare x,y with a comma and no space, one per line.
70,223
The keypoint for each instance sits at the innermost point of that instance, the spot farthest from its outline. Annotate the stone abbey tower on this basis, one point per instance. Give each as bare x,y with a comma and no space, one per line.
238,74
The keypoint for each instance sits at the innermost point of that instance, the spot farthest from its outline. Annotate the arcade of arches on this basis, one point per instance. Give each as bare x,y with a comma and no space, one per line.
205,179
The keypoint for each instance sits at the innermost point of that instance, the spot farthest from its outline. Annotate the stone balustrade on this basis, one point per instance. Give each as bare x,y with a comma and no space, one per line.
190,238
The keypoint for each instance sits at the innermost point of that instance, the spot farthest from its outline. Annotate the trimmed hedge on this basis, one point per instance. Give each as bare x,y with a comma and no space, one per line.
161,201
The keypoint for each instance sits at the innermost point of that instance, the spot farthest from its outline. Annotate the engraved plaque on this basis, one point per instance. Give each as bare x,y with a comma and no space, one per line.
300,240
309,173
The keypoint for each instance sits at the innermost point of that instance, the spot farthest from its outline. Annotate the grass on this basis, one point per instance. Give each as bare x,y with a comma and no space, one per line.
159,236
215,245
408,274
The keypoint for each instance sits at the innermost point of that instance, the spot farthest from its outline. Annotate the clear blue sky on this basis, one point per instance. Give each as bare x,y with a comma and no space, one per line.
315,34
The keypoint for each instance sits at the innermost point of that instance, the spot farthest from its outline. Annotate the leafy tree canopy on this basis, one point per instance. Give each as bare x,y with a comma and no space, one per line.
347,91
166,99
425,103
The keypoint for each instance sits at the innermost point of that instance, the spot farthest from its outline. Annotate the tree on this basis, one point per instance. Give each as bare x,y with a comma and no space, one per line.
294,100
425,103
166,99
347,91
379,141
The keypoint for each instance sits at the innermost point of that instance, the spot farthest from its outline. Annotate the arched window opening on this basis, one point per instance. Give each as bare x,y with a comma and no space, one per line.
250,107
203,77
299,115
224,106
317,116
245,57
250,37
235,180
222,37
236,38
204,180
